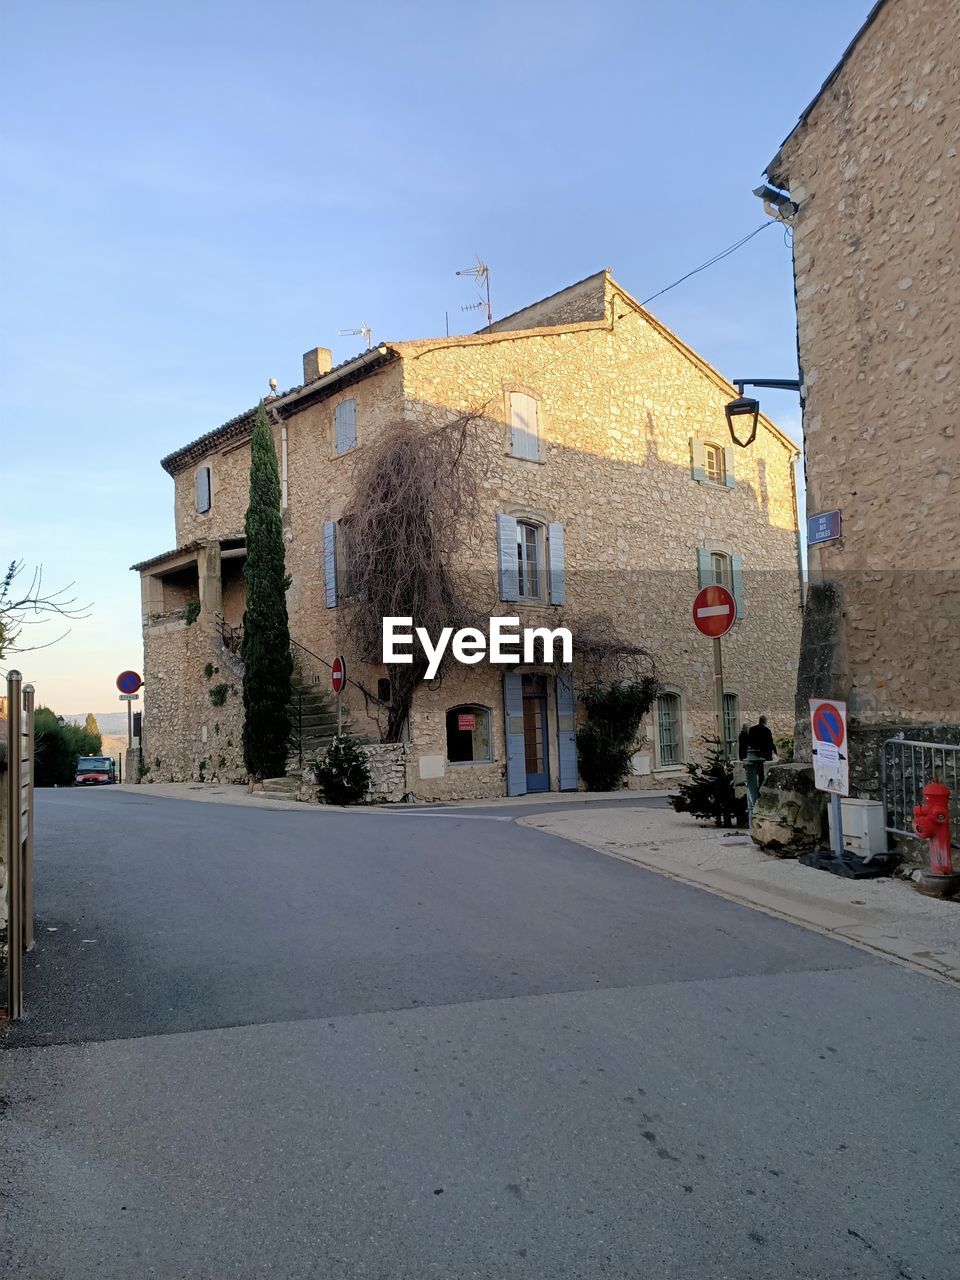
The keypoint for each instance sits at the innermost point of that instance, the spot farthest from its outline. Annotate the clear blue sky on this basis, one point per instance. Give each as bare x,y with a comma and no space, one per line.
198,192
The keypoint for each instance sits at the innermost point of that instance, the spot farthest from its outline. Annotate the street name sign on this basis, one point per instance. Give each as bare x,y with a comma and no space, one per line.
129,697
824,527
714,611
828,724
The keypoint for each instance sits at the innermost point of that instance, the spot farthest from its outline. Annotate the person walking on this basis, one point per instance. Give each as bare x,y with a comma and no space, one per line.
760,747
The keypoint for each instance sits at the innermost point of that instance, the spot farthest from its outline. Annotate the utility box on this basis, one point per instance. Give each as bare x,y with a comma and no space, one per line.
863,826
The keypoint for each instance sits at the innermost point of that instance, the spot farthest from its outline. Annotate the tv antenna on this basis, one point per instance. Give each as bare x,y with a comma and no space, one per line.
363,332
481,273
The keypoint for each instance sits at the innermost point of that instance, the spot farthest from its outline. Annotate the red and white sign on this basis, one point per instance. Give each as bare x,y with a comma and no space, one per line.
466,722
338,674
828,724
714,611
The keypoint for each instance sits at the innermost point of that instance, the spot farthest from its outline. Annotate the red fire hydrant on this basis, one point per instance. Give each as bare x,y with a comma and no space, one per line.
931,821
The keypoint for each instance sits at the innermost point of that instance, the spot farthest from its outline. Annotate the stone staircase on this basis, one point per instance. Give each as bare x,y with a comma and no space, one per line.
313,725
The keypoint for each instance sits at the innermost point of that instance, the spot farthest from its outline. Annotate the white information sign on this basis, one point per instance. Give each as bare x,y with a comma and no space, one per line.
828,724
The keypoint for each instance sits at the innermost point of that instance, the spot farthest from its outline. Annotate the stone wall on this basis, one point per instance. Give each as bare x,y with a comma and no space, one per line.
620,399
874,170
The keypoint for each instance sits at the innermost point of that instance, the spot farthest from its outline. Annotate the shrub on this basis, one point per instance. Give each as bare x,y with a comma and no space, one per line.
58,747
784,745
342,773
209,671
218,694
709,791
606,742
191,613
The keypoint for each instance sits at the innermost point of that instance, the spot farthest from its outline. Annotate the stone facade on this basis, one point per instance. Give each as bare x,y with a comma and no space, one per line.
622,406
872,167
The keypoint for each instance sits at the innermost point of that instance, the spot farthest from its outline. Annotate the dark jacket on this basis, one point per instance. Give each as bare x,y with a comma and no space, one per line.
760,741
743,744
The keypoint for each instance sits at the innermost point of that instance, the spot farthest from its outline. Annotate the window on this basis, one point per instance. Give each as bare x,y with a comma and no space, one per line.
203,489
525,426
345,426
468,735
731,724
668,729
529,559
713,464
721,570
384,691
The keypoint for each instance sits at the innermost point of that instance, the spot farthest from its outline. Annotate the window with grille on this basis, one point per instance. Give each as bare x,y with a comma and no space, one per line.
529,560
731,724
668,729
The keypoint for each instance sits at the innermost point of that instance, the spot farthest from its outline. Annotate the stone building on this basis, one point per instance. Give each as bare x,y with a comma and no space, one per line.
871,171
608,496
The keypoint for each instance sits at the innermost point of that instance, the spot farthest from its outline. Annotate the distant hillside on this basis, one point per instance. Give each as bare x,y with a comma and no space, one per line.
109,721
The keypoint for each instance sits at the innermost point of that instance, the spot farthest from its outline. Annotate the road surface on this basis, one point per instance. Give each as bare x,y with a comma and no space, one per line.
399,1045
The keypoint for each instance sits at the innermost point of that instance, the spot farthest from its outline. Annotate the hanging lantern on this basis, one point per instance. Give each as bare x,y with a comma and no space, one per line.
744,413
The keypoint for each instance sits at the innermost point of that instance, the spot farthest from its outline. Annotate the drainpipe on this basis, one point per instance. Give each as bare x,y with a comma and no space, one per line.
283,456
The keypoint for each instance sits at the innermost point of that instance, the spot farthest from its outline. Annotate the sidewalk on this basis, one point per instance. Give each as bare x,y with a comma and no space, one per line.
886,915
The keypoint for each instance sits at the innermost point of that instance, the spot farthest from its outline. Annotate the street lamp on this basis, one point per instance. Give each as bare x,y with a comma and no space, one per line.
748,410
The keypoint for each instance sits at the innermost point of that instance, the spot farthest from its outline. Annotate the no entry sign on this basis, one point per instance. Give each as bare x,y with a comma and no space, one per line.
338,674
129,681
714,611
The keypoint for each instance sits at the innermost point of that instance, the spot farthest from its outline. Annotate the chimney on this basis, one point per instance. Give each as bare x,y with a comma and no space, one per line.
316,363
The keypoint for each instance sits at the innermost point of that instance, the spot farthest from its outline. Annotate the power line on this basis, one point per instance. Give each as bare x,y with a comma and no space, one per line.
717,257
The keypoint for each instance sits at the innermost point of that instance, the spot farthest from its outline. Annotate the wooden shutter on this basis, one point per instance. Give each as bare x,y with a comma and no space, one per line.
558,585
705,574
736,568
203,489
507,552
513,734
330,564
524,420
696,459
566,732
729,477
345,416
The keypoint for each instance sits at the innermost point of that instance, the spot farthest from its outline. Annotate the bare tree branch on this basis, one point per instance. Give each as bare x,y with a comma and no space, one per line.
33,606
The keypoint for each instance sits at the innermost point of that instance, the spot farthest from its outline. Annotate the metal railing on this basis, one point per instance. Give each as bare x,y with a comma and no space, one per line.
16,835
232,636
905,769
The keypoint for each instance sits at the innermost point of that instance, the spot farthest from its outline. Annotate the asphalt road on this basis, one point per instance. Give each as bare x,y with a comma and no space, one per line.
391,1045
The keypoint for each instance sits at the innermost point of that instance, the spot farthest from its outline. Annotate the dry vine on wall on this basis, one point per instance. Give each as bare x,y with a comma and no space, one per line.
414,504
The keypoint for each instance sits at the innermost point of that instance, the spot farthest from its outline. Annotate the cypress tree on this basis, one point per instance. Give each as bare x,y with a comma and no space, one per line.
268,665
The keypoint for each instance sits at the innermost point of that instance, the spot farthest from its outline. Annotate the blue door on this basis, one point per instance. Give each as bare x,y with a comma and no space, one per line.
535,752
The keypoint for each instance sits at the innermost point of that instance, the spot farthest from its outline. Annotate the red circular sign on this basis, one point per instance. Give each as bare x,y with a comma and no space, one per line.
714,611
828,724
129,681
338,674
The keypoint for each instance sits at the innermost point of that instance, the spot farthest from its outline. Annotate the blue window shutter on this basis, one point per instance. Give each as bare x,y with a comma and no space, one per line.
736,567
729,478
507,552
705,577
558,585
524,421
566,732
203,489
513,734
330,564
696,459
345,416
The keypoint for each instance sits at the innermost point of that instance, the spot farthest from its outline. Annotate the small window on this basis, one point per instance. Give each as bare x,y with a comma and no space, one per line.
721,570
529,559
345,426
714,467
384,691
203,489
731,724
668,729
525,426
468,735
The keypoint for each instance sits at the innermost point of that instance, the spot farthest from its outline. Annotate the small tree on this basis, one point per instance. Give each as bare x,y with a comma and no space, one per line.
91,726
268,665
342,773
58,746
606,742
709,792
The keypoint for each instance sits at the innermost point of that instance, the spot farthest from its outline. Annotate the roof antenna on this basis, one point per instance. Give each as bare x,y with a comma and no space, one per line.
481,273
363,332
